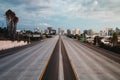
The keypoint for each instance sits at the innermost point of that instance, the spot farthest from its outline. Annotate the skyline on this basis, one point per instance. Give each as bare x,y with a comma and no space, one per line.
82,14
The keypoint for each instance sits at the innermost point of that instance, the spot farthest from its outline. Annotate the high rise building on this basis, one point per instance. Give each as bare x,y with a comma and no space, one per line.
101,33
77,31
106,32
109,31
61,31
89,32
117,31
51,31
69,32
47,31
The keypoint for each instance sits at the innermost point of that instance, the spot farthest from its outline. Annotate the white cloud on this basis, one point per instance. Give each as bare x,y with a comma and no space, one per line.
45,25
32,11
106,10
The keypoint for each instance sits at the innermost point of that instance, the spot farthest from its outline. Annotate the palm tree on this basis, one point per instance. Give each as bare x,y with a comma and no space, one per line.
8,19
10,15
15,21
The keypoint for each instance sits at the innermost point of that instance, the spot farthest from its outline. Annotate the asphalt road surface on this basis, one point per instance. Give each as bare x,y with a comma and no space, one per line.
55,60
29,63
52,70
67,66
90,64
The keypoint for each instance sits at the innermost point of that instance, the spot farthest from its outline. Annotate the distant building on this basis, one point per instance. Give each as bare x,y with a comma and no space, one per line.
101,33
85,31
77,31
106,32
109,31
61,31
46,31
69,32
118,38
51,31
117,31
89,32
42,31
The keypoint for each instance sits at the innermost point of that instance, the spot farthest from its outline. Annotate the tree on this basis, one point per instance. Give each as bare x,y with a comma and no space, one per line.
9,17
83,37
11,21
15,21
96,40
118,31
115,39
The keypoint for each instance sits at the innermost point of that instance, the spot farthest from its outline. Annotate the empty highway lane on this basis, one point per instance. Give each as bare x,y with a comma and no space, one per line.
60,58
90,64
29,63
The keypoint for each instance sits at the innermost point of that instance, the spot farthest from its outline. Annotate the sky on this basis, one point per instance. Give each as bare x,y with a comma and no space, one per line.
66,14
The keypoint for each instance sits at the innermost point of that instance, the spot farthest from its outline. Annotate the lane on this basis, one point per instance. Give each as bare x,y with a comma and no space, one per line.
29,63
6,53
67,66
109,54
90,64
52,69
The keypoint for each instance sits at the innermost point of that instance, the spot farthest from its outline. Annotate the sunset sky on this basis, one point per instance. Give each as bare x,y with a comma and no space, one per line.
82,14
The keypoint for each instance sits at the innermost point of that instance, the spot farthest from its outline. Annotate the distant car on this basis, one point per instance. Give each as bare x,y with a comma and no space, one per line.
104,41
90,40
49,36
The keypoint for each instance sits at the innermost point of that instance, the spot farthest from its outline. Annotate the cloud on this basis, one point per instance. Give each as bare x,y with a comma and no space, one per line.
31,12
25,2
106,10
27,5
45,25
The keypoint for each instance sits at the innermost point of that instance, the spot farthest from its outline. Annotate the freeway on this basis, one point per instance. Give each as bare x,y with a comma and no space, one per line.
67,66
53,70
90,64
28,63
63,59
